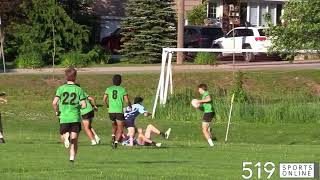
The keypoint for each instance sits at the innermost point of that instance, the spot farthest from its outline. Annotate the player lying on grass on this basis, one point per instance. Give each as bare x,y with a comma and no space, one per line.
144,137
68,101
205,104
131,114
87,115
113,99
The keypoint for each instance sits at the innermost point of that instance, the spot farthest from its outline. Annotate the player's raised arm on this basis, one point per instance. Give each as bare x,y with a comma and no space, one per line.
105,100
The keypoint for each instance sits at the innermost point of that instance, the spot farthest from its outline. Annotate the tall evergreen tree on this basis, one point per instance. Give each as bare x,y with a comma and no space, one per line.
46,29
150,25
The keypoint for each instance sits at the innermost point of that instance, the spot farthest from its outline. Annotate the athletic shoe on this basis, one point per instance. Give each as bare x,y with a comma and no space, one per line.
167,133
158,144
93,143
114,145
97,139
66,141
2,141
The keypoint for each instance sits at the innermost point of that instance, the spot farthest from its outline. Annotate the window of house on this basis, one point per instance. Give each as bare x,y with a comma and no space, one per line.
253,14
212,10
263,11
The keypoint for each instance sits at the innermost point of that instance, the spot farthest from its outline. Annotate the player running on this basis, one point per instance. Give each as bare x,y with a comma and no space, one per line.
113,99
206,106
68,101
87,115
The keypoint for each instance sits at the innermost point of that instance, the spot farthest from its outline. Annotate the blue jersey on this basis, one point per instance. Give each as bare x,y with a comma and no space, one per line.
135,111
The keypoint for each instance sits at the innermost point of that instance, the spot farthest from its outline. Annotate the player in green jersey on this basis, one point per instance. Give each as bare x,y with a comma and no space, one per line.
87,115
68,101
206,106
113,99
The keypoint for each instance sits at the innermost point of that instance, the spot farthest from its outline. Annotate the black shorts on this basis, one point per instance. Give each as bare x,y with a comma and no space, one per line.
116,116
129,122
88,116
207,117
70,127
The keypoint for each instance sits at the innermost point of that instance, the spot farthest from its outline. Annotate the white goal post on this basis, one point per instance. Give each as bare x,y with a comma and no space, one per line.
165,79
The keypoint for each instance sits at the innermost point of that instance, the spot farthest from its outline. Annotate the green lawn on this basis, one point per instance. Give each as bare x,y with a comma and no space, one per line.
287,133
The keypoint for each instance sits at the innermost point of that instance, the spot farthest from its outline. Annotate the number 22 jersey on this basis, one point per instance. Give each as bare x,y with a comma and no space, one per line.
70,96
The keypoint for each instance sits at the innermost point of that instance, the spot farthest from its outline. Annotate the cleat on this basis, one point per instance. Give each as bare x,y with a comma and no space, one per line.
114,145
72,161
97,139
158,144
167,133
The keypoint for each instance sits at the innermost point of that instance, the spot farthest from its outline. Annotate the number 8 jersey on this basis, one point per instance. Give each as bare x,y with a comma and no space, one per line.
70,96
115,98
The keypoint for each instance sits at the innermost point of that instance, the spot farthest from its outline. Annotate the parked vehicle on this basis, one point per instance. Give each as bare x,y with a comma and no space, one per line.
244,38
201,36
112,42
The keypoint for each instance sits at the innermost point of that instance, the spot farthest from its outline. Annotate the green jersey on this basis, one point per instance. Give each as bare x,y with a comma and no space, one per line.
115,98
88,108
70,96
207,107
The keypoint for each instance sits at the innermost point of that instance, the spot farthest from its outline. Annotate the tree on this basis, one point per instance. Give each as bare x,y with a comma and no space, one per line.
197,15
300,29
46,29
148,27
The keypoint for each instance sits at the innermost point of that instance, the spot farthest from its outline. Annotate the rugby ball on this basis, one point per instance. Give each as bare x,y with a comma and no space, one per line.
195,103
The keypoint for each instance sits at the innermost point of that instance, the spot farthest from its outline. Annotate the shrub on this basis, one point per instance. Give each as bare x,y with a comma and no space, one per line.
74,59
99,55
30,59
238,90
206,58
197,15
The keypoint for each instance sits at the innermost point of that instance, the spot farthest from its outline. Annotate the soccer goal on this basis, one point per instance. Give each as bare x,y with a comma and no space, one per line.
165,80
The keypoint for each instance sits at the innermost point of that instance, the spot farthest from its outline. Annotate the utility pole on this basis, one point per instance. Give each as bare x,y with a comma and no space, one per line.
1,47
180,6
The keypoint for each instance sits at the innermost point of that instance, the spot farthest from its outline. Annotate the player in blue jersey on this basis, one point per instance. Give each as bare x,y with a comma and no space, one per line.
130,116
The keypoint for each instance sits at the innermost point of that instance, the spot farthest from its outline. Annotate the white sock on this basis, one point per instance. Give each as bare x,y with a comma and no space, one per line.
72,158
93,142
113,135
116,142
1,136
96,136
210,142
131,140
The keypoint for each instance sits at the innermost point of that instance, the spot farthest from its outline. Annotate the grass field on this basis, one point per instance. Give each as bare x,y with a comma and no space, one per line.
280,123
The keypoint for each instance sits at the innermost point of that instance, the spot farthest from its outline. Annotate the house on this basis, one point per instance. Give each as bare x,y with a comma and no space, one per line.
223,12
240,12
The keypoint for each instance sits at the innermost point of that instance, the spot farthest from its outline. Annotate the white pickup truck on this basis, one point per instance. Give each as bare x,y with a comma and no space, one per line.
244,38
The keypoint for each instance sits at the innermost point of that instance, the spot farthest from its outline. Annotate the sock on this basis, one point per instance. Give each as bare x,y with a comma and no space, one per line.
210,142
131,140
72,158
116,142
96,136
113,135
93,142
1,136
